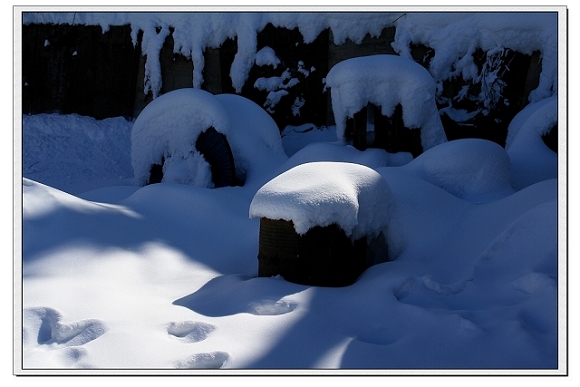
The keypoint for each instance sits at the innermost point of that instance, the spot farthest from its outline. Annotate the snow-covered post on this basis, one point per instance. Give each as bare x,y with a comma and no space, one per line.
320,221
386,81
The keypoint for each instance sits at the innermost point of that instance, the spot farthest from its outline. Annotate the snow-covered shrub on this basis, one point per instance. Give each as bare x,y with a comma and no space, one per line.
386,81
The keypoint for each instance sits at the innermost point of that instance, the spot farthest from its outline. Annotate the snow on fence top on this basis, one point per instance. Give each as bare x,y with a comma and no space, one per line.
353,196
386,81
454,36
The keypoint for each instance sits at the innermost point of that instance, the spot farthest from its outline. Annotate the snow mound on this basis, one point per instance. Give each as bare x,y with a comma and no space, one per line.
353,196
532,160
169,126
386,81
471,169
254,137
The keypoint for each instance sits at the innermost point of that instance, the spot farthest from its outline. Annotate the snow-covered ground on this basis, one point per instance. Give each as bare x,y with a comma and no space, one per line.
121,278
163,277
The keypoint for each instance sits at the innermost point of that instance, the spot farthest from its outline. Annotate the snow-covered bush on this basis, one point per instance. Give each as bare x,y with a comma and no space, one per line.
386,81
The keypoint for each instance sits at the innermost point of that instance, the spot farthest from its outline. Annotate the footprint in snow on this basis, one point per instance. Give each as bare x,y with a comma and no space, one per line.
44,326
270,307
213,360
190,331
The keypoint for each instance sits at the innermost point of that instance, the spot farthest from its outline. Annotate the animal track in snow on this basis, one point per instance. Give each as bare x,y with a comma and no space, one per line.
190,331
213,360
44,326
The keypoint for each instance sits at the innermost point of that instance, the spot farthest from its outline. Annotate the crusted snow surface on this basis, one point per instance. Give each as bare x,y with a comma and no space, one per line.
353,196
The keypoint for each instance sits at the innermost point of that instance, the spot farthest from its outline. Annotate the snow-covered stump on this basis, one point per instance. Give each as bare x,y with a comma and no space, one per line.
385,101
322,223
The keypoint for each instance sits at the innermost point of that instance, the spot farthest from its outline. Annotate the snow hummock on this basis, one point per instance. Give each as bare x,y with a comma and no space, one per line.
471,169
352,196
386,81
168,128
254,138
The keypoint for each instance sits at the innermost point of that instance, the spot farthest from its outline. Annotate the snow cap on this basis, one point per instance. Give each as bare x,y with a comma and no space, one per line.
355,197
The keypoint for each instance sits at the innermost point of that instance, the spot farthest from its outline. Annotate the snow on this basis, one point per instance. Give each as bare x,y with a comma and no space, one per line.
168,128
455,37
127,278
532,161
471,169
53,144
267,57
350,195
386,81
163,277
